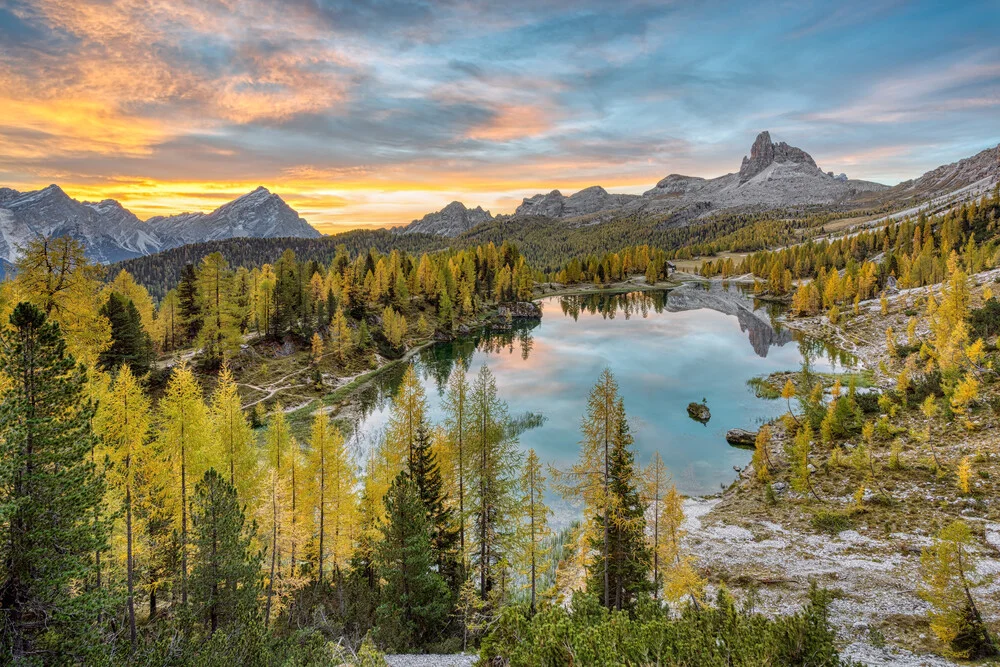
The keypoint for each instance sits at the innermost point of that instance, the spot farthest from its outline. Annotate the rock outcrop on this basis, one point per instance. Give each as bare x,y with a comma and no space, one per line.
738,437
452,220
699,412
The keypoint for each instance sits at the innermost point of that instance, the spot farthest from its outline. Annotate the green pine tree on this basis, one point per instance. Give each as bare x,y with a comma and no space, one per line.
225,571
426,476
629,557
130,344
415,597
49,495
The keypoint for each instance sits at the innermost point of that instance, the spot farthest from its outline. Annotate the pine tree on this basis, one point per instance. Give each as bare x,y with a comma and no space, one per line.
185,444
123,422
536,519
621,527
130,344
49,493
426,476
225,571
415,598
189,303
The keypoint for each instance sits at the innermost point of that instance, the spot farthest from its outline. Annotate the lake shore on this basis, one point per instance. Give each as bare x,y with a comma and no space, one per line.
870,558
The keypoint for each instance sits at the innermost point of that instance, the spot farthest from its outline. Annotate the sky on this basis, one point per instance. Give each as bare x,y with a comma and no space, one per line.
373,112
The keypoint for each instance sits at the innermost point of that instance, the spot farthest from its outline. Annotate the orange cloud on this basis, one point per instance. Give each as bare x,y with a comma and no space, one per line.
513,122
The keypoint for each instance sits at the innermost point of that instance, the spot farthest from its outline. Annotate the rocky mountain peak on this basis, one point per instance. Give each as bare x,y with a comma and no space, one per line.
452,220
765,152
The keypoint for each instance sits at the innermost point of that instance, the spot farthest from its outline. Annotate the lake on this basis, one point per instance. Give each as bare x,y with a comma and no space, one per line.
666,349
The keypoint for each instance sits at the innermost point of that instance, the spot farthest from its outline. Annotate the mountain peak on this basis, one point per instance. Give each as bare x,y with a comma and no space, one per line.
452,220
765,152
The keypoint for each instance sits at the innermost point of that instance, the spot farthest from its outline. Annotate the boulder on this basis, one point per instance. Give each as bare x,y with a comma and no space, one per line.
738,437
524,310
699,412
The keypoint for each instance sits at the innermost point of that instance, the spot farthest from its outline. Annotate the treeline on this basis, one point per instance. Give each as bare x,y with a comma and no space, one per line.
616,266
163,270
913,253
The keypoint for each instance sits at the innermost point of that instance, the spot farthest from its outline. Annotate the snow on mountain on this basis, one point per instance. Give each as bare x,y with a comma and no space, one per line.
111,233
259,214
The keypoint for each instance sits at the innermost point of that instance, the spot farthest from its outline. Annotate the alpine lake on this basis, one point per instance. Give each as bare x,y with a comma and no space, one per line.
666,349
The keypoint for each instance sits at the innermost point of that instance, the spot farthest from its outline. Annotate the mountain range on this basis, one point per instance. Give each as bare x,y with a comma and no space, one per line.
773,176
111,233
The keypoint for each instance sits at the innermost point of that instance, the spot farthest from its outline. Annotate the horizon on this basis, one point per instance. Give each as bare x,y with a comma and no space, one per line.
372,115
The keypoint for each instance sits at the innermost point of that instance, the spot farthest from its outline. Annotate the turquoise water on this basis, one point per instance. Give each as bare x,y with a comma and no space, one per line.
665,349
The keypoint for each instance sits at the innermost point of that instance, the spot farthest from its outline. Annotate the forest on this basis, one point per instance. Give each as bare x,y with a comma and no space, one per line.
156,511
151,517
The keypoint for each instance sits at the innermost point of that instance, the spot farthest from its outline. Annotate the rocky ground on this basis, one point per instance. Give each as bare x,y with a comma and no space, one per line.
871,563
430,660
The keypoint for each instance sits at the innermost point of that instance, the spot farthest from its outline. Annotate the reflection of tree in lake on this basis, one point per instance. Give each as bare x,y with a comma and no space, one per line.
609,305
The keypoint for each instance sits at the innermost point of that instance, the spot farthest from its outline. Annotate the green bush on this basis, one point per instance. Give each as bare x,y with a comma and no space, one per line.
831,522
719,635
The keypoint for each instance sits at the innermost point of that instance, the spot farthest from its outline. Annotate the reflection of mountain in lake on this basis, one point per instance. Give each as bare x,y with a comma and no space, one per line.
729,300
734,301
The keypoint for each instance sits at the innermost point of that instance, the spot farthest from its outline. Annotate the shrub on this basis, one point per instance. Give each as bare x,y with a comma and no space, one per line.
831,523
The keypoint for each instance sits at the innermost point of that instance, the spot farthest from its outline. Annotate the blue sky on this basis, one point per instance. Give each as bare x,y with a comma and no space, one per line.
374,112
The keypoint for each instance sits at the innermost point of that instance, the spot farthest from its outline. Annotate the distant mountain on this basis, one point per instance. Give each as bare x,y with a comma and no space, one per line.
452,220
774,175
259,214
111,233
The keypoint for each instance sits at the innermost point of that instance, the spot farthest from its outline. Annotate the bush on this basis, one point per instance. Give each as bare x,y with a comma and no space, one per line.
831,523
709,636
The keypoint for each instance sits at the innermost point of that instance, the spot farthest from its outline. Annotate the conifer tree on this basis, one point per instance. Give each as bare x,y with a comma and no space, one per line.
426,476
123,422
185,443
536,519
493,466
49,492
335,504
225,571
415,598
680,578
130,344
409,414
621,527
236,457
655,480
455,406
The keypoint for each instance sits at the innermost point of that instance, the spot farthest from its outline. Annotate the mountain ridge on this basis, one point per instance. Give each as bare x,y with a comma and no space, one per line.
111,233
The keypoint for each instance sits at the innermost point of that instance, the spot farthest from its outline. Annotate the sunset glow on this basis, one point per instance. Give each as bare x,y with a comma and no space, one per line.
372,114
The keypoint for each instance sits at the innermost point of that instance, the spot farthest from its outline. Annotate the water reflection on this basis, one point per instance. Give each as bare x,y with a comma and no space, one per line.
666,349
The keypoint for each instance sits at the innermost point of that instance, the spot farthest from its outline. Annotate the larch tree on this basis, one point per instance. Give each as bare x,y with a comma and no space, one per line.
948,573
590,478
341,334
680,578
278,447
493,468
409,414
236,456
656,479
536,522
334,501
456,409
185,443
49,493
220,335
123,423
55,275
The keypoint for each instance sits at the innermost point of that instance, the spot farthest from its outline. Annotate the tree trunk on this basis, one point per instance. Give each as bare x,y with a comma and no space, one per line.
184,562
128,555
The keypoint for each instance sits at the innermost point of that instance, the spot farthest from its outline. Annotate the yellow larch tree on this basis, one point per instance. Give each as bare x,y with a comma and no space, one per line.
122,422
184,447
236,456
680,578
535,522
655,479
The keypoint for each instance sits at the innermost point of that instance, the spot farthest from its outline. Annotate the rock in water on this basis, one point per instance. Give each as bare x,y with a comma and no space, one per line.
699,412
524,310
738,437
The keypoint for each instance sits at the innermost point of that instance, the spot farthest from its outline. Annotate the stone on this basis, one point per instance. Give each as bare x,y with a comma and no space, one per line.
779,487
699,412
523,310
738,437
